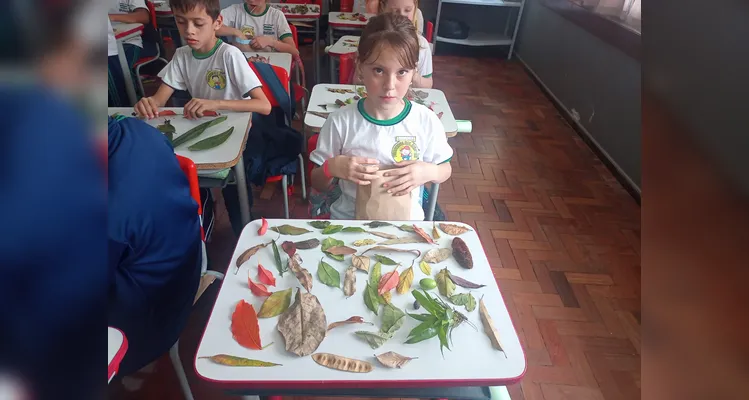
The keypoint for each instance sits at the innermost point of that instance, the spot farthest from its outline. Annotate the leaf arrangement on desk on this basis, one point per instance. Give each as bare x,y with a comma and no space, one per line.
195,132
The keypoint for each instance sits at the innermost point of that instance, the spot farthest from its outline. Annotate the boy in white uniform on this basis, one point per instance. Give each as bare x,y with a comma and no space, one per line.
257,27
216,74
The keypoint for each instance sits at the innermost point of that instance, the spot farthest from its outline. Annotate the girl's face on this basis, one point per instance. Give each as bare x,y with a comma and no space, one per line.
386,80
403,7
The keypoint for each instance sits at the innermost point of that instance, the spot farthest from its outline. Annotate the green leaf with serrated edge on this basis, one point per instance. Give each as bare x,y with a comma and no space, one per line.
328,275
374,339
332,229
384,260
371,299
392,319
319,224
290,230
374,274
353,229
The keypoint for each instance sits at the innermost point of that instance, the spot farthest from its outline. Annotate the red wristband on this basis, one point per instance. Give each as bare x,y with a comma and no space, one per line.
326,170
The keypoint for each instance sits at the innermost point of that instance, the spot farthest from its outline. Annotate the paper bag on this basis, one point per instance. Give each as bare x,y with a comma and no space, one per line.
373,202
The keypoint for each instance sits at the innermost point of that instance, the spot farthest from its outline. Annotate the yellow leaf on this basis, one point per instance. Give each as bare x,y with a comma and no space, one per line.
425,268
407,277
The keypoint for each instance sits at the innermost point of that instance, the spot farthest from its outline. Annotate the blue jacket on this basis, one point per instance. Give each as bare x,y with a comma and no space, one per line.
154,241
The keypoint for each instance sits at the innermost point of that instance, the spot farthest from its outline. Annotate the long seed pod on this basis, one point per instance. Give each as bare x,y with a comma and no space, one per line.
342,363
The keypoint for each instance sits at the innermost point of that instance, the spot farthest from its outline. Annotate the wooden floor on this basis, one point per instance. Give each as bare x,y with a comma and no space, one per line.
562,236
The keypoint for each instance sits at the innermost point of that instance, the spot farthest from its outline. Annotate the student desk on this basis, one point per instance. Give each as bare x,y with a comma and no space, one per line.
304,13
116,349
472,361
345,45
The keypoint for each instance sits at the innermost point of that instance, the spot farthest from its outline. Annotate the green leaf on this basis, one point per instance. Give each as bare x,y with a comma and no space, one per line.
371,299
428,332
375,339
319,224
406,228
445,285
332,229
423,317
331,242
384,260
328,275
374,274
424,301
443,339
277,258
276,304
425,268
290,230
392,319
378,224
353,229
422,327
464,299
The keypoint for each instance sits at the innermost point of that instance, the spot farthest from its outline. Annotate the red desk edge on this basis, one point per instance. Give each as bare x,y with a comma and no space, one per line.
114,366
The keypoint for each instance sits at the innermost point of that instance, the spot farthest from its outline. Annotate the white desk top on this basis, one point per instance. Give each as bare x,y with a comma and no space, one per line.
124,31
298,11
352,20
226,155
282,60
471,362
344,45
320,95
116,349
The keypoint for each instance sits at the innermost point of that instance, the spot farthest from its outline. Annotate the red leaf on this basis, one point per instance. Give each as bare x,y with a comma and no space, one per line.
265,276
263,228
388,282
258,289
244,326
424,235
165,113
289,248
210,114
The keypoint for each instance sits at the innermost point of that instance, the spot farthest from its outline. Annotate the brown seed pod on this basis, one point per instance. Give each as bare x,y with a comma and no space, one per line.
462,254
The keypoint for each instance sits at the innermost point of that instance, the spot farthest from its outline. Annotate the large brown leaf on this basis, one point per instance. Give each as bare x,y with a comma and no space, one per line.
303,325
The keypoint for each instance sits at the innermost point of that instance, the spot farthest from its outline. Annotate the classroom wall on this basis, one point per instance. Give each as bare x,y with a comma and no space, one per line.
593,80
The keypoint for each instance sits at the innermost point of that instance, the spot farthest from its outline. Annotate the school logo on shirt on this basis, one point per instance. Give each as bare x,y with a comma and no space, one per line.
268,30
405,149
249,31
216,79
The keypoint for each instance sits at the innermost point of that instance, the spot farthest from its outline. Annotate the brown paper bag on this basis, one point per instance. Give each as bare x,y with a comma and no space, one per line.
373,202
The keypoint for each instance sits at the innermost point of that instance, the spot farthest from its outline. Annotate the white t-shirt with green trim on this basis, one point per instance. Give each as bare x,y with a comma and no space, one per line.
126,7
415,134
221,74
424,68
270,22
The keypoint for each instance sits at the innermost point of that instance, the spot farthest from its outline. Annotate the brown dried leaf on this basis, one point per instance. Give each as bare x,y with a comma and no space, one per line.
249,253
342,363
403,240
462,254
360,262
363,242
304,277
489,328
352,320
340,251
435,256
452,229
393,360
384,248
303,326
307,244
382,235
349,282
424,235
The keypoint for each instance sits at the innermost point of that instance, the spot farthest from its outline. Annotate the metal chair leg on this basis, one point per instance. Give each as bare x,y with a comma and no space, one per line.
284,187
432,201
304,177
177,364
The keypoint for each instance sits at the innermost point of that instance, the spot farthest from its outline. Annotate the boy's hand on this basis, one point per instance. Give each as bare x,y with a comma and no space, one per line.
408,176
147,107
196,107
262,42
354,169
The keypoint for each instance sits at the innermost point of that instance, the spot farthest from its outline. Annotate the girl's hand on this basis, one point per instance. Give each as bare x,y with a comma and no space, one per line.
196,107
354,169
408,176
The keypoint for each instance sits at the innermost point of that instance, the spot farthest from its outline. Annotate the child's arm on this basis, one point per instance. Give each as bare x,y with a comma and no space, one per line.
285,45
256,103
139,16
354,169
149,106
423,82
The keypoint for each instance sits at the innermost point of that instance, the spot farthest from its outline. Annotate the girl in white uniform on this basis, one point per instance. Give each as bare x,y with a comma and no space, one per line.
384,128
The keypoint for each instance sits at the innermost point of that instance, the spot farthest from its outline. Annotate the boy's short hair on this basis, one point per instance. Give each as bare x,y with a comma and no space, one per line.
212,7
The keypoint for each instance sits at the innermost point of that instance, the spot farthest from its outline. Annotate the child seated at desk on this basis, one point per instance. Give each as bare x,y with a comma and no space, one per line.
257,27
